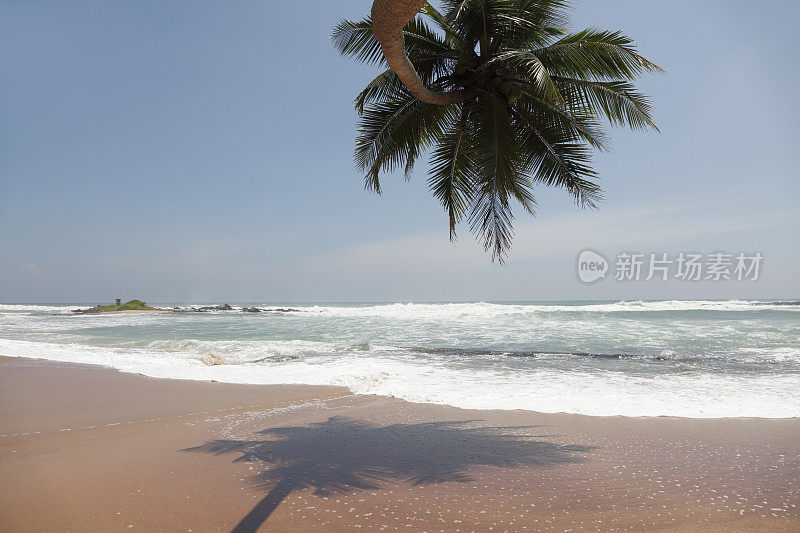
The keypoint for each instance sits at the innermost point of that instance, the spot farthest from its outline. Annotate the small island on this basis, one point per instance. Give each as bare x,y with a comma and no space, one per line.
138,306
131,306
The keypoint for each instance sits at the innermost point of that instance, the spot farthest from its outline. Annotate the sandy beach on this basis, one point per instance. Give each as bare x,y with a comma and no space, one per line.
398,265
88,448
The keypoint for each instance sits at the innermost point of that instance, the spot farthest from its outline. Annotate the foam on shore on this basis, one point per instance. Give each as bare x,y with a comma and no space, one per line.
694,395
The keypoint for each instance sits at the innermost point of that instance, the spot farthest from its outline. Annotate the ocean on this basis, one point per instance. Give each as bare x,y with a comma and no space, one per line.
700,359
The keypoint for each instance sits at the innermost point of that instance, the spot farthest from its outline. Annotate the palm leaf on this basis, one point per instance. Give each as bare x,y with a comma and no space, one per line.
530,66
452,178
393,133
575,119
355,39
618,101
594,54
554,158
499,166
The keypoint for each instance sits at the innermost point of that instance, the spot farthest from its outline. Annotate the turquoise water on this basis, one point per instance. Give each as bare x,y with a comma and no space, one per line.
680,358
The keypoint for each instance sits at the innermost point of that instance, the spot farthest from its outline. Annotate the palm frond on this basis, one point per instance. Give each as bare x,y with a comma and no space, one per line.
499,164
451,36
530,66
422,40
595,54
355,39
554,158
392,134
472,20
618,101
581,123
532,23
453,177
388,85
384,85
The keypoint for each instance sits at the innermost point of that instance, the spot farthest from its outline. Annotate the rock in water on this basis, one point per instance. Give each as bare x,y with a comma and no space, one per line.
223,307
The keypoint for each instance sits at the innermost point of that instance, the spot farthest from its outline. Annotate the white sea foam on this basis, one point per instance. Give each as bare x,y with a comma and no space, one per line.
17,308
772,355
396,373
485,309
681,358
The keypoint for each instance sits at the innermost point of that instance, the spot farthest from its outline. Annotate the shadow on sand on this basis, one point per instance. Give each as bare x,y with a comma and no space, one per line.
342,455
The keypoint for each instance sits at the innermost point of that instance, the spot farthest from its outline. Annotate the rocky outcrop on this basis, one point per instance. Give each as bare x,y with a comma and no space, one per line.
91,311
223,307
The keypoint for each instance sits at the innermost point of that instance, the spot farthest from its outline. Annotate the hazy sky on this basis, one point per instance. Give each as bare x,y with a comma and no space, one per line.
202,151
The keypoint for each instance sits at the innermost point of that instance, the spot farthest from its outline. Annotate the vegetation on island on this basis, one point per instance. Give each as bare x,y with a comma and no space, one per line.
131,305
502,93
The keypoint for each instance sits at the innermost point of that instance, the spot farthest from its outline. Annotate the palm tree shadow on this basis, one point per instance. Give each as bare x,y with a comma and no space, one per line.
343,455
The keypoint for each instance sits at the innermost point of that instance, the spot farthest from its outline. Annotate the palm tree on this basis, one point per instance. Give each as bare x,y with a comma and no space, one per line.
502,96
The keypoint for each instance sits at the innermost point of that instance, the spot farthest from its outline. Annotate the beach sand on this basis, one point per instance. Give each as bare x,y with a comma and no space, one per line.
90,449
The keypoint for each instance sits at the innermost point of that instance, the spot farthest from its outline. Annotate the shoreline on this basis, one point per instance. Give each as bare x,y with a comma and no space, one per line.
89,447
442,404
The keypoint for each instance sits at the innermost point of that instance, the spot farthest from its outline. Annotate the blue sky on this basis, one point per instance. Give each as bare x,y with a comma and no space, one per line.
199,151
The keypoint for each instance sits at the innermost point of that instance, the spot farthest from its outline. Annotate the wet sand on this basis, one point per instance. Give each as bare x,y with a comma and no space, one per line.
88,448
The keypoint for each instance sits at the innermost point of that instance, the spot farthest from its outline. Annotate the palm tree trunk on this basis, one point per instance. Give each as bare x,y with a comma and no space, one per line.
389,17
